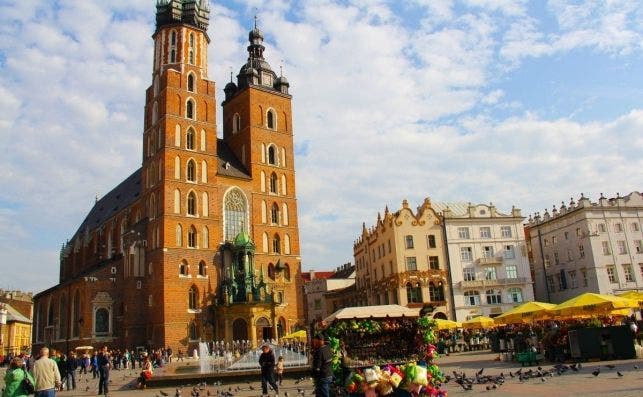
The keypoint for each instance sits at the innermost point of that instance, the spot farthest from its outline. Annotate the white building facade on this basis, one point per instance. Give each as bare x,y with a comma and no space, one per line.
588,246
487,256
317,305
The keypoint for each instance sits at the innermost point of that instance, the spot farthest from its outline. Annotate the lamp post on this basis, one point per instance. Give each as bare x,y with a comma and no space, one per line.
3,322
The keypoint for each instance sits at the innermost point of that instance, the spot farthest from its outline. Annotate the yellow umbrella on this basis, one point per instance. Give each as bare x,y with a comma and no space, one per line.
447,324
479,322
523,313
590,303
635,295
300,335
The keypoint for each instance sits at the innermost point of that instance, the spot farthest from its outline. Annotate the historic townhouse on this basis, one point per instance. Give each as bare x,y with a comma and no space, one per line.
402,260
487,258
588,246
202,241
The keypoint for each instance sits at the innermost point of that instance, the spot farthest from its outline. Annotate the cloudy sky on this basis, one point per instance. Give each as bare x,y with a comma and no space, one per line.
523,103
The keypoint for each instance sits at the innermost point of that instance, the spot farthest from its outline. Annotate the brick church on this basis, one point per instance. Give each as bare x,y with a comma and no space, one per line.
202,241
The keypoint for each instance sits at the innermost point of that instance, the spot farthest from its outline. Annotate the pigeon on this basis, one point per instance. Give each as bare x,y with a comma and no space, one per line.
542,379
511,374
636,367
596,372
619,374
480,372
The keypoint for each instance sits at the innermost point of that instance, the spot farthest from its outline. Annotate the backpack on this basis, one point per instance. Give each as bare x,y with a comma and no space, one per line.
27,384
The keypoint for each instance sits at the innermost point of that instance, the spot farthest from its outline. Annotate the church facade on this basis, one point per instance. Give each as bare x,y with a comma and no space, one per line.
201,242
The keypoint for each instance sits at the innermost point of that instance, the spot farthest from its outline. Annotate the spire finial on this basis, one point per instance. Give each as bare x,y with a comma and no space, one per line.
256,17
231,74
281,68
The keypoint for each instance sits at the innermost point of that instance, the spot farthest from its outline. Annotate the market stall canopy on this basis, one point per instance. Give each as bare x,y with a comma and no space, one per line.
590,303
479,322
381,311
85,348
523,313
300,335
447,324
634,295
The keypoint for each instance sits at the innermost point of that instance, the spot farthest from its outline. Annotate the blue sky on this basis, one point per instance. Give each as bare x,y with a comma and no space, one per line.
511,102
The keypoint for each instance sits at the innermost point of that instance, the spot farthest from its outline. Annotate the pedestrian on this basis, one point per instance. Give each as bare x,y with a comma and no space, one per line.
14,377
321,370
46,375
103,361
180,357
280,370
146,373
71,365
267,364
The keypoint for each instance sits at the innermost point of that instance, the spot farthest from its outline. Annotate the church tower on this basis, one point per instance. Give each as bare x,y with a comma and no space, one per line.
179,171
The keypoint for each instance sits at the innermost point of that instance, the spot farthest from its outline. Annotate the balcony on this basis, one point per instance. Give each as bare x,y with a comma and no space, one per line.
494,260
493,283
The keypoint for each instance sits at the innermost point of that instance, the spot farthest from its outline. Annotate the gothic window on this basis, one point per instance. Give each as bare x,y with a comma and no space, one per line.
191,203
192,298
236,213
270,120
273,183
192,237
191,82
202,271
189,139
236,123
272,156
205,236
271,271
101,324
179,235
191,50
191,171
287,272
173,47
189,109
276,244
274,214
193,331
183,268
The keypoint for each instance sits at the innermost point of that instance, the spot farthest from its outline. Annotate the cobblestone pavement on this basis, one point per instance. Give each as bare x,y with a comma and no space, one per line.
606,383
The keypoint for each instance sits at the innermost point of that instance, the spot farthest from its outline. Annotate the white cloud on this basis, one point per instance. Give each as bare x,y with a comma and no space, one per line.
385,109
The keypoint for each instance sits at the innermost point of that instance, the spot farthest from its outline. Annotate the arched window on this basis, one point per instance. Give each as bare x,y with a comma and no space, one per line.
191,82
471,298
436,293
287,244
204,171
205,236
179,235
236,123
194,335
413,293
264,242
193,295
271,271
189,139
272,156
191,203
493,297
177,201
192,237
276,244
284,213
236,213
287,272
75,312
183,268
191,171
191,50
273,183
172,47
101,323
270,119
204,204
202,269
202,144
189,109
515,295
274,214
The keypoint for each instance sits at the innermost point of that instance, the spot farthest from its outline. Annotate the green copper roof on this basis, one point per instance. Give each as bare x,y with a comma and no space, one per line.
242,239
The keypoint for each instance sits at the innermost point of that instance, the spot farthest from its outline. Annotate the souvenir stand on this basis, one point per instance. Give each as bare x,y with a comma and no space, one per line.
384,354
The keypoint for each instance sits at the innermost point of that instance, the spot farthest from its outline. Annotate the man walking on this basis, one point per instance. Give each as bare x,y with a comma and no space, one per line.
103,371
267,364
46,374
71,365
322,372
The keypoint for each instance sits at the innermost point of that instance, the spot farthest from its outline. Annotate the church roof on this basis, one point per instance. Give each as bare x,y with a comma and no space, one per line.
118,198
229,164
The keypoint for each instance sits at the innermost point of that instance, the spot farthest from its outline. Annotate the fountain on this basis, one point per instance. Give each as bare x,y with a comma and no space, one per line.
204,355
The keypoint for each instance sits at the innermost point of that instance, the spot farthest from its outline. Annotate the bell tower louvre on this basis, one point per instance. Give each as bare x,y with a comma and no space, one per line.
201,242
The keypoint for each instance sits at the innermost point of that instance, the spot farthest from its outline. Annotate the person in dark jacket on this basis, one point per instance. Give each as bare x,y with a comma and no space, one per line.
321,369
71,365
267,364
104,365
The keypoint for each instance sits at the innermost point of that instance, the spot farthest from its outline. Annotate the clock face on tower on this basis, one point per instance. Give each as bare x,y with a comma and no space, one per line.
266,79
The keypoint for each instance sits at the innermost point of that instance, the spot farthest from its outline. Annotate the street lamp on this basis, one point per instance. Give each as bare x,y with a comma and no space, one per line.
3,322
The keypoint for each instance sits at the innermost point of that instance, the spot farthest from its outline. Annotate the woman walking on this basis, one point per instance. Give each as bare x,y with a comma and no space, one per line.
14,377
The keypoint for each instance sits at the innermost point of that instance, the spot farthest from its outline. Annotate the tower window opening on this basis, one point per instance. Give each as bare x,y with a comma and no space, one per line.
270,120
189,141
191,82
192,204
189,109
191,171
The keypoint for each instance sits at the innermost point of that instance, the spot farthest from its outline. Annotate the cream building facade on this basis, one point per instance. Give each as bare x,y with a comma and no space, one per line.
588,246
402,260
317,288
487,257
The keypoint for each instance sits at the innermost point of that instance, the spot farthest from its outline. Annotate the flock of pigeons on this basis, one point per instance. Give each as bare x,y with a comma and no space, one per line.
204,390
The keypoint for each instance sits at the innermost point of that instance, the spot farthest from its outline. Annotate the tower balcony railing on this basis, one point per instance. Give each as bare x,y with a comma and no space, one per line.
492,260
